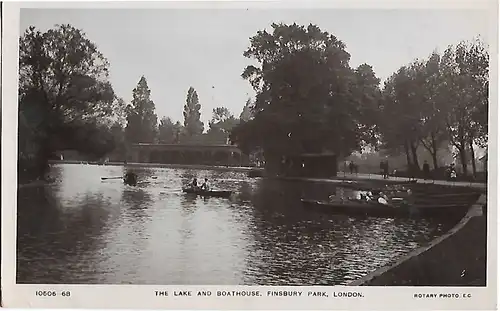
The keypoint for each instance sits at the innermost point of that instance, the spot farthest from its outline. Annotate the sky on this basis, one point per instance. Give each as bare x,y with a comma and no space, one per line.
203,48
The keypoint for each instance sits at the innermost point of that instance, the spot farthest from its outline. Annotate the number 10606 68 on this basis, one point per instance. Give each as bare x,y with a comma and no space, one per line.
52,293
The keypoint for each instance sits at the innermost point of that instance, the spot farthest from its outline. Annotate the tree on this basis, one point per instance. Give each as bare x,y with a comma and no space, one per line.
141,116
367,98
178,131
304,101
393,128
221,125
433,112
192,123
166,131
437,100
247,112
118,133
465,68
409,115
220,114
96,140
63,81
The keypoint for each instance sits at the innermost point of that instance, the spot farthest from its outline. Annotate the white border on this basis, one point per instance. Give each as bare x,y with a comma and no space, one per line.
143,297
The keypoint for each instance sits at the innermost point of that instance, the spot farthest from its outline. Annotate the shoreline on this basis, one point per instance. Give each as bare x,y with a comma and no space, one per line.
160,165
456,258
341,177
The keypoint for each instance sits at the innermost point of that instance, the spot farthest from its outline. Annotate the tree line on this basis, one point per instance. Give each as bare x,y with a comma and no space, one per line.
310,100
142,124
67,102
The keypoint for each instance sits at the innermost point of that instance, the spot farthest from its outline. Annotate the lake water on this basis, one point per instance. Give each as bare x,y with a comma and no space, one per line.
81,230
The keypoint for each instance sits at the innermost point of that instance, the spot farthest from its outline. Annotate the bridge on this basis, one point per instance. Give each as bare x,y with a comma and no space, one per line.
187,154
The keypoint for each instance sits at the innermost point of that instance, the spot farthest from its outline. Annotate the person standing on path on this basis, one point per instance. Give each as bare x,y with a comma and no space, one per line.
351,167
426,170
386,169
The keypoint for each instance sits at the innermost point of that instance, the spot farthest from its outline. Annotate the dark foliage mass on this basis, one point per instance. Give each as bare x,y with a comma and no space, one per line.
65,97
308,100
141,116
441,99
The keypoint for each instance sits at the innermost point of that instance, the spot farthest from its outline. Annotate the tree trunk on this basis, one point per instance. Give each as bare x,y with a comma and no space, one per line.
434,151
463,158
408,158
416,165
473,158
432,148
435,161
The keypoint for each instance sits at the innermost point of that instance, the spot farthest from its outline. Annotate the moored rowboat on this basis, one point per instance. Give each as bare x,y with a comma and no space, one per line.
354,208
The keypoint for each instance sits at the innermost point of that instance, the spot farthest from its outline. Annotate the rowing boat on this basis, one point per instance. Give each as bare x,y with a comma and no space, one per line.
209,193
357,208
130,179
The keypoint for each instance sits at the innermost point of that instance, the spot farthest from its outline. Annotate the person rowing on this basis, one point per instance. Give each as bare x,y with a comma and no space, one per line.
194,184
205,186
130,178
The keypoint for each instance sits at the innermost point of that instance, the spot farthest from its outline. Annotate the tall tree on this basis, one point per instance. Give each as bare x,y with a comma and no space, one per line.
402,114
396,130
432,114
63,81
465,67
437,100
367,97
192,123
141,117
304,99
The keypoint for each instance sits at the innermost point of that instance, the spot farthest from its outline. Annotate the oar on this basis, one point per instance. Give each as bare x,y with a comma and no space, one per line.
104,178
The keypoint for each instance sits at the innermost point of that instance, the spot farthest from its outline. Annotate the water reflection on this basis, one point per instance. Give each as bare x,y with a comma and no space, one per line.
97,231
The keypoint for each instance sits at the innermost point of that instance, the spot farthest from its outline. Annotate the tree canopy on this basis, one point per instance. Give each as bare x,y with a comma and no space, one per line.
308,97
141,116
220,126
443,98
192,123
166,131
63,86
308,100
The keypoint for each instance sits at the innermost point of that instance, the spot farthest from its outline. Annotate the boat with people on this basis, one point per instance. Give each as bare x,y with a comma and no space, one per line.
208,193
353,208
377,204
364,185
204,190
130,178
375,209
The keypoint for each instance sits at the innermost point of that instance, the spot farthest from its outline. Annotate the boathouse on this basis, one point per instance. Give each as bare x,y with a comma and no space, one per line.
227,155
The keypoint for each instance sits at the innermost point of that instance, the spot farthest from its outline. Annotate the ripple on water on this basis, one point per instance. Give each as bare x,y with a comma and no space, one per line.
104,232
